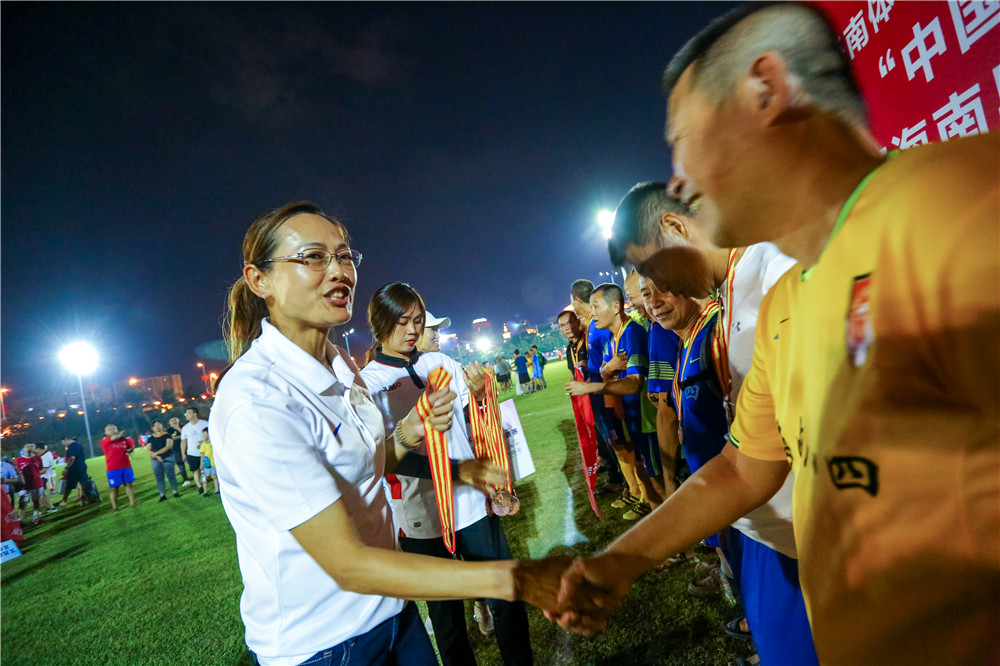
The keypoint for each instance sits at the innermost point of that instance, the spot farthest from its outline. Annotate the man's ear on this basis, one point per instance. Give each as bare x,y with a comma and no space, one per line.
255,279
771,93
672,224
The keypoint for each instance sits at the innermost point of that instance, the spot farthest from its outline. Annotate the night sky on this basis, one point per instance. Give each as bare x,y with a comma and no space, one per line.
467,147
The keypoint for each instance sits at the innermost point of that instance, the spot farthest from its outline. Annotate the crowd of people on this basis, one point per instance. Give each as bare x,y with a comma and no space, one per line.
807,380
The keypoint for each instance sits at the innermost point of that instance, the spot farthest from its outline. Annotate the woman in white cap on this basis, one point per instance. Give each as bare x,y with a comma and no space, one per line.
430,339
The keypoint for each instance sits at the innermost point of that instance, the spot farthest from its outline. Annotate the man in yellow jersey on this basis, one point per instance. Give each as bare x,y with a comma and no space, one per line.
877,357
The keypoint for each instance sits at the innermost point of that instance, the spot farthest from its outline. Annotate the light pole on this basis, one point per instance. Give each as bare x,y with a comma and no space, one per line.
347,341
80,359
3,407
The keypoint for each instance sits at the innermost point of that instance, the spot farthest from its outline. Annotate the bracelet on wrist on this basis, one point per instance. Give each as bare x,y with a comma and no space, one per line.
401,438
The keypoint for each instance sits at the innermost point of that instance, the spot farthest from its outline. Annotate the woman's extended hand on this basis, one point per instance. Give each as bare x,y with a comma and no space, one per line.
439,418
482,474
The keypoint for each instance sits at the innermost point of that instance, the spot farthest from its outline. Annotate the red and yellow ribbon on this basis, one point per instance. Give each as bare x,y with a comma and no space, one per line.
488,440
437,452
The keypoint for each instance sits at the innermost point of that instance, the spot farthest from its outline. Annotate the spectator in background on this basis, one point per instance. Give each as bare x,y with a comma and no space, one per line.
76,466
430,340
207,468
538,376
48,468
178,450
117,448
523,378
502,369
161,456
30,467
194,432
10,479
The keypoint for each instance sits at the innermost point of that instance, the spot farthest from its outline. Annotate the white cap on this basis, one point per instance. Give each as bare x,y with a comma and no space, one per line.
430,321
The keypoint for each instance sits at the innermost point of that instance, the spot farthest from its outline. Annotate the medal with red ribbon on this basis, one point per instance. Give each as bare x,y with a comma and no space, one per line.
437,452
489,443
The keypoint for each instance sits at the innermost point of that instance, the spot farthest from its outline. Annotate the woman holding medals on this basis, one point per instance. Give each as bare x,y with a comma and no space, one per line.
397,377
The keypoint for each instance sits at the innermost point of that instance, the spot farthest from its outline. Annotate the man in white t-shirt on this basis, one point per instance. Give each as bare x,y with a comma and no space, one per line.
649,225
48,467
194,432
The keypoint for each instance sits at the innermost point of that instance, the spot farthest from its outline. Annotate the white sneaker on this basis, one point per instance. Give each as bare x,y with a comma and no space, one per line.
185,484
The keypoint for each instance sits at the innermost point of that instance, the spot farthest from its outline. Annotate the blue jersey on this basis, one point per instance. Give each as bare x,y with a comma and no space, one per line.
663,346
521,364
634,341
597,340
704,424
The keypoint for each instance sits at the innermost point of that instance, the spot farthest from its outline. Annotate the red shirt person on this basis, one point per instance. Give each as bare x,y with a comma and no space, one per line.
30,467
117,447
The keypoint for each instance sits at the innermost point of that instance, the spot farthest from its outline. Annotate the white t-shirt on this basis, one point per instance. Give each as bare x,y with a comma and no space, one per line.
291,437
192,433
756,272
48,462
395,392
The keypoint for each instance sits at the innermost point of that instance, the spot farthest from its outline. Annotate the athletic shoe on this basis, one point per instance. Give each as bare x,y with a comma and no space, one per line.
626,502
201,491
703,569
52,510
176,495
484,617
638,511
35,521
163,498
706,587
185,484
207,495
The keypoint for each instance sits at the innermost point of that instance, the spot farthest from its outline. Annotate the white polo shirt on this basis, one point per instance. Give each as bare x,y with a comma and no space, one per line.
291,437
756,272
396,392
192,433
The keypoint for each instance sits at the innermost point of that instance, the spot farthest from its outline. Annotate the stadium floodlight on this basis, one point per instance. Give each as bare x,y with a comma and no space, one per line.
80,359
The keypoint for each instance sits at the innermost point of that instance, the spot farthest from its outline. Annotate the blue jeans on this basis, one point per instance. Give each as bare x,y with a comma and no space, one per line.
161,469
399,641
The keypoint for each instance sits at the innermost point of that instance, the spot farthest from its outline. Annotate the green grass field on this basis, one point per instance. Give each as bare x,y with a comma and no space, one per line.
160,584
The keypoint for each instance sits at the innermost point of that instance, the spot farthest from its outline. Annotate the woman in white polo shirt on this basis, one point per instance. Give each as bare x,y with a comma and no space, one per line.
397,376
300,451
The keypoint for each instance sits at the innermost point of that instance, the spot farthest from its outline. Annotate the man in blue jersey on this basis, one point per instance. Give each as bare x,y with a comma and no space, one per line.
624,390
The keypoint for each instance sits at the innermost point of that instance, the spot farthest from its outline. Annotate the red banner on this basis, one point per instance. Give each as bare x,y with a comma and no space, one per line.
930,71
587,434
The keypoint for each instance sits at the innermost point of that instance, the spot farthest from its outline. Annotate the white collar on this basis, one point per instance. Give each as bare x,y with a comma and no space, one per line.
316,376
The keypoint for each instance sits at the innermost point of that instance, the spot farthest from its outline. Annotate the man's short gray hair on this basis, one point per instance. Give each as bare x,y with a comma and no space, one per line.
723,52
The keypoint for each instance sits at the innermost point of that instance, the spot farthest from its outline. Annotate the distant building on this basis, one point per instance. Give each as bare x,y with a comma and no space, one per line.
152,388
481,326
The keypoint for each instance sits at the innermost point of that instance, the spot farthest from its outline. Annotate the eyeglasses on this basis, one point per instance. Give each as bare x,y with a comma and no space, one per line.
319,260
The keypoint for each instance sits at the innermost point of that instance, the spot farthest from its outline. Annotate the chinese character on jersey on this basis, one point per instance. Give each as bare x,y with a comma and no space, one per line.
878,11
911,136
962,115
924,50
973,19
856,34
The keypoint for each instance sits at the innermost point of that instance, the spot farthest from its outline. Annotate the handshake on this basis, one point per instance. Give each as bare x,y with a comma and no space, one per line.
577,593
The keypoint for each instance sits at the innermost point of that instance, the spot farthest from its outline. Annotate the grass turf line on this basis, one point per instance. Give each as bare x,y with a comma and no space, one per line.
160,584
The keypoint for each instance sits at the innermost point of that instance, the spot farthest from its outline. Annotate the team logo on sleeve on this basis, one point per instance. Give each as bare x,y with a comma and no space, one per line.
860,331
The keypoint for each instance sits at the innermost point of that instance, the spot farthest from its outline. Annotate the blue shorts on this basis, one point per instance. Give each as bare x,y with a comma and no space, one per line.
117,477
772,599
207,469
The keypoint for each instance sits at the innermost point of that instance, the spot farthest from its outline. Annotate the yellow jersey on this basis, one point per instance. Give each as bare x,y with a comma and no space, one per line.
881,367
